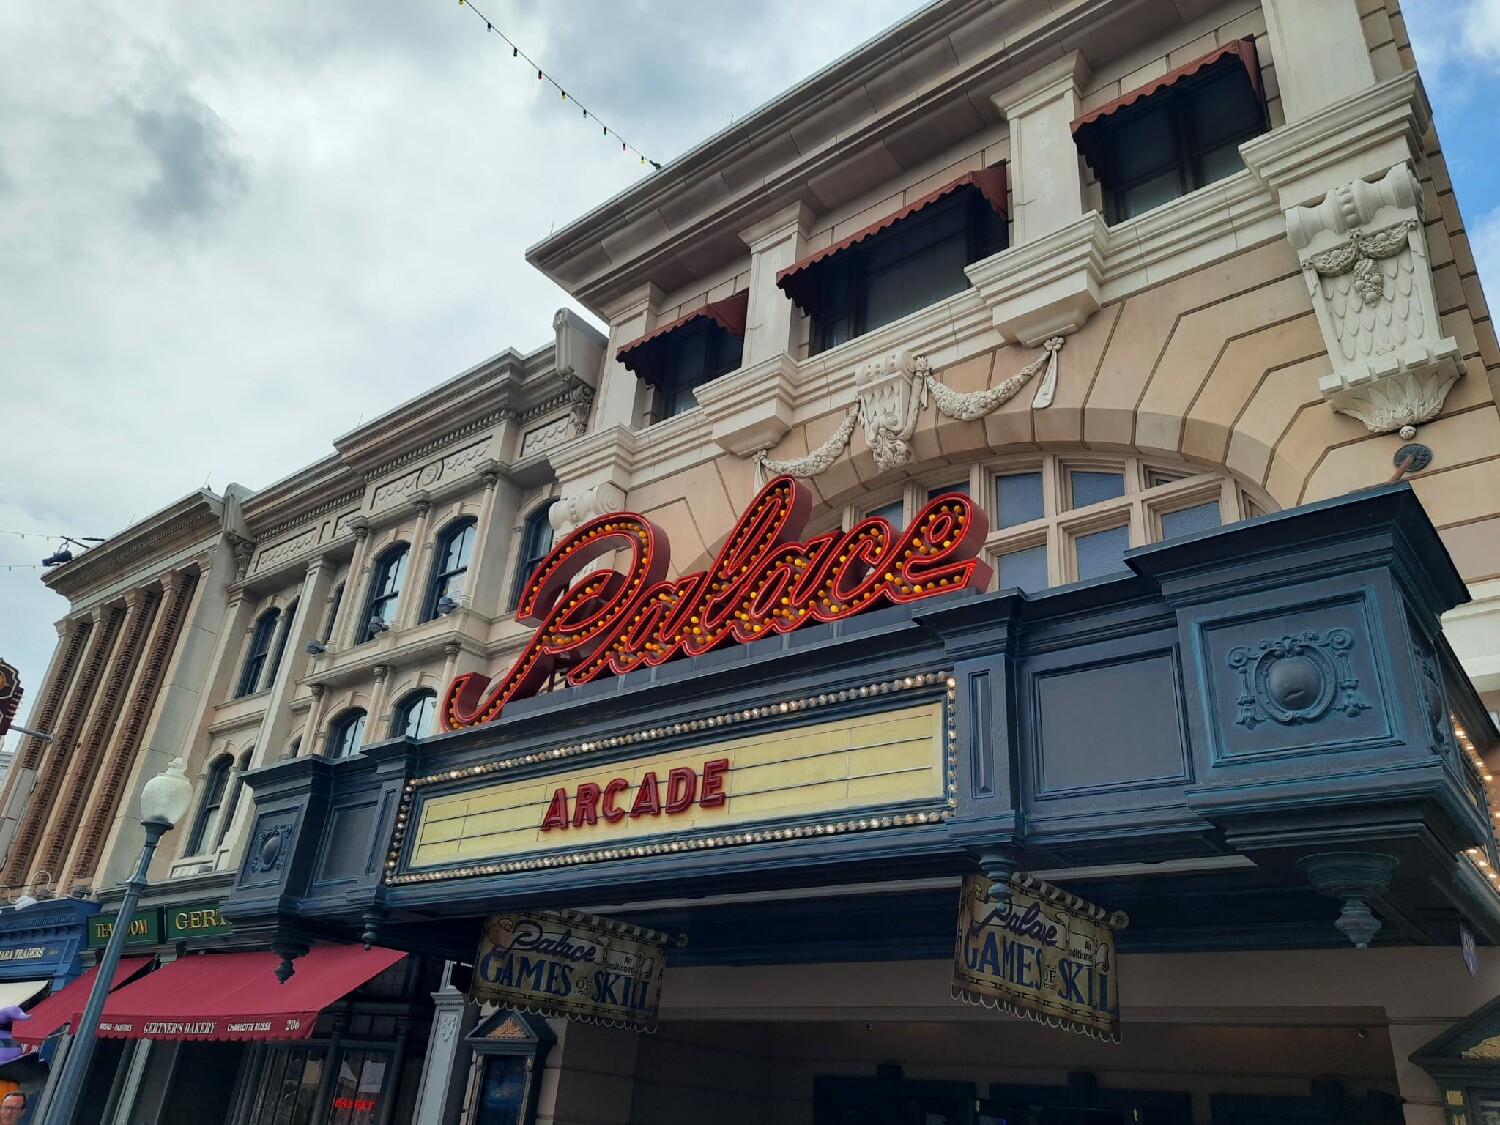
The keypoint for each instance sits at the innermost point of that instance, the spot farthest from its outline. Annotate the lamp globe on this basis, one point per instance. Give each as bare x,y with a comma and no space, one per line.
167,795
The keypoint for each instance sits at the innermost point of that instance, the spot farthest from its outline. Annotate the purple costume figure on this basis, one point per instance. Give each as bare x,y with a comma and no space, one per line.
8,1047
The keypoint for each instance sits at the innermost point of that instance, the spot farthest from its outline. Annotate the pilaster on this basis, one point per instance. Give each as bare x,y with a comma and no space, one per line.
375,720
487,561
352,609
83,769
419,566
630,318
1320,53
443,1071
275,728
177,591
1046,181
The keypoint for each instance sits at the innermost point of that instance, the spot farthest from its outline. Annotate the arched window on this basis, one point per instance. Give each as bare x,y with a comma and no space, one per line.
234,797
413,717
295,748
536,541
260,648
346,734
385,590
450,568
209,804
288,622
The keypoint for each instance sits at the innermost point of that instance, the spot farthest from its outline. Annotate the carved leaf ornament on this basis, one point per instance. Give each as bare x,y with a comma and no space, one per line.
891,403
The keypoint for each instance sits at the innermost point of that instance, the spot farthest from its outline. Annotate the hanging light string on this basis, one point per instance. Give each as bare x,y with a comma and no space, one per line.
543,76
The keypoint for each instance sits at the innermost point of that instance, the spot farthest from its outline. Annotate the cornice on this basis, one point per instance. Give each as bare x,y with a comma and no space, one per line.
149,544
893,85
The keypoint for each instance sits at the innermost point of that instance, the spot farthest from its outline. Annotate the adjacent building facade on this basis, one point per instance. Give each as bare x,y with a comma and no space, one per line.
1163,318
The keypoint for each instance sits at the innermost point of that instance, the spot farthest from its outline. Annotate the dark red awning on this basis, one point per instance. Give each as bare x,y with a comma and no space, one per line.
796,282
1242,50
640,355
65,1005
237,995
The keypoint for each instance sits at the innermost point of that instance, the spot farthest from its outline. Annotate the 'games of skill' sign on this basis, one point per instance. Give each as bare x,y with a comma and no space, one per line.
1043,954
765,580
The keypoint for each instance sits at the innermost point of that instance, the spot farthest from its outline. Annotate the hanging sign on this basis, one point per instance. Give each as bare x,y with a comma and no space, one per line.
1045,955
764,581
578,966
10,696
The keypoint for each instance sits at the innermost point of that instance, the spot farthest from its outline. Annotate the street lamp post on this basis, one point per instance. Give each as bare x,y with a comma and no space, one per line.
164,799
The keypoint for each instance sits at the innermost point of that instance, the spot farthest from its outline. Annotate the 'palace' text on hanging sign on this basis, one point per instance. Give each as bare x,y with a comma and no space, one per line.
763,581
1044,954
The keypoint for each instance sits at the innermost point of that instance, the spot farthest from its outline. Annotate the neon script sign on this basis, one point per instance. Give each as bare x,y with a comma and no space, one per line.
765,580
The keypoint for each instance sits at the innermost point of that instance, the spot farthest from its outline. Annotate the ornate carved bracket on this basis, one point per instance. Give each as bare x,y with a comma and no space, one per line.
1364,257
892,395
1353,877
586,504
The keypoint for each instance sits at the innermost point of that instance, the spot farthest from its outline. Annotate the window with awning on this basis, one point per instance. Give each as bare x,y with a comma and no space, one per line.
905,261
680,356
1176,134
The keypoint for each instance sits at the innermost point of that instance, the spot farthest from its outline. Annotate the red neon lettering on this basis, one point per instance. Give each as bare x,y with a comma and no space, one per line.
712,795
682,789
557,811
648,799
585,809
607,808
763,581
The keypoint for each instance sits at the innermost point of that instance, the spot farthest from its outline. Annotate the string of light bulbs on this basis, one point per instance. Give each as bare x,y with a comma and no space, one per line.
543,76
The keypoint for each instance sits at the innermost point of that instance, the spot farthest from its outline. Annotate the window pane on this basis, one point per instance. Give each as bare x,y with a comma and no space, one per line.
1223,108
415,720
1190,521
1025,570
1142,145
1102,552
1092,488
961,487
917,282
1018,498
1153,193
1221,162
894,511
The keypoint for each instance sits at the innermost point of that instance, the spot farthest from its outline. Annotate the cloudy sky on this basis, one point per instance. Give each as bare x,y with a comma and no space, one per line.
230,232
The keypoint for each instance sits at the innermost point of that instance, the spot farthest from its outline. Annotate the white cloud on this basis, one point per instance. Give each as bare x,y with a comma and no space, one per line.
228,232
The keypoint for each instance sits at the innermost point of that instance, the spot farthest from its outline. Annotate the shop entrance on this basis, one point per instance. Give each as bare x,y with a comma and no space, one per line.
998,1070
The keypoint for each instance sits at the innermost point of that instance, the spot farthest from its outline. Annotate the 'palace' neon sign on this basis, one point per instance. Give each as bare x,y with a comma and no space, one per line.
763,582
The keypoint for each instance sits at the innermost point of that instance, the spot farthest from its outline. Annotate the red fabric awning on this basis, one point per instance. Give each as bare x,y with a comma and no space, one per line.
237,995
1242,50
640,355
64,1006
795,281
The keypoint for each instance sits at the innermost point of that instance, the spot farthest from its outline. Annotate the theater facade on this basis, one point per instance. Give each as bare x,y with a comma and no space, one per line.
1004,628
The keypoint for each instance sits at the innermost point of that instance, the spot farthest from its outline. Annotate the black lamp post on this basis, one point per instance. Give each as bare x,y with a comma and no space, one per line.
164,799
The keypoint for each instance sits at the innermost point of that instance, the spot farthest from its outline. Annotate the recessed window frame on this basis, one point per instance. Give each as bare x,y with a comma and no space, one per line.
387,580
444,573
262,636
210,802
535,530
842,307
346,732
1174,102
406,705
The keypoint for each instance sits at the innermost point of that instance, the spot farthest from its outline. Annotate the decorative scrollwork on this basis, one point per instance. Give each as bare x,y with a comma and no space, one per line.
892,396
1296,678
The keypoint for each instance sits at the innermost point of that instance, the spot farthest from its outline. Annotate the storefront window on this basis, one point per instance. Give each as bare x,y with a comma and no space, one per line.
356,1088
289,1088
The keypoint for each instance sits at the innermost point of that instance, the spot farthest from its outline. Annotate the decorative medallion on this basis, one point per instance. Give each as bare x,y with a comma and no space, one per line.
270,849
1296,678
